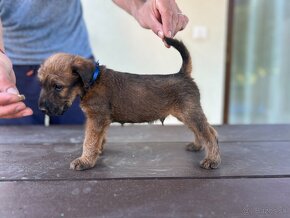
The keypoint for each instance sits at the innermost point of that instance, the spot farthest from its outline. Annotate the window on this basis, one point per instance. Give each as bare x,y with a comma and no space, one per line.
260,62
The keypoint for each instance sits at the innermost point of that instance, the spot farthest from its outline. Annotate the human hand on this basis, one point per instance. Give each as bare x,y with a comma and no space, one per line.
163,17
11,105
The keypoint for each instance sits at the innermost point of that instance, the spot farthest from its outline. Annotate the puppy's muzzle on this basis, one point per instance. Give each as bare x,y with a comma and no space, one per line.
51,109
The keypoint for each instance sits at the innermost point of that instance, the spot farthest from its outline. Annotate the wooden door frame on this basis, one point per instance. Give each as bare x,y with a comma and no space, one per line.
228,64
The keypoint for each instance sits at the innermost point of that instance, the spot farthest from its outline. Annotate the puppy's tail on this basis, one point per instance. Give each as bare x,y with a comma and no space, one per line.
186,67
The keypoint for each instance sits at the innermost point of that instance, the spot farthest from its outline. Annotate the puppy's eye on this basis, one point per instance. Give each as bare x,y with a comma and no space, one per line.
58,87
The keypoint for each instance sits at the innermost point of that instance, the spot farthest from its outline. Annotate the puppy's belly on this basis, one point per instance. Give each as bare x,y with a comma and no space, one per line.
137,116
131,119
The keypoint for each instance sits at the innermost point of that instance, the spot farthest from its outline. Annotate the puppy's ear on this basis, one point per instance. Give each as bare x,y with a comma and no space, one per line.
84,68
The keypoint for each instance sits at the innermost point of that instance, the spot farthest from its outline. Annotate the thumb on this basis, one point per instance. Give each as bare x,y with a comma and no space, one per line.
7,86
7,83
13,90
157,28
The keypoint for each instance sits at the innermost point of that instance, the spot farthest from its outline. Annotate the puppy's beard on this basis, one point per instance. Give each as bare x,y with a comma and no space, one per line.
65,108
57,111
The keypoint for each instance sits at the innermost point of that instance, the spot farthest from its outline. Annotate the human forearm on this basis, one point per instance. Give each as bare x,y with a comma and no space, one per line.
163,17
131,6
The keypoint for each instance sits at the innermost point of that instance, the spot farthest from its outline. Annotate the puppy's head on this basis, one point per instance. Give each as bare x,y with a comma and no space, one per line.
63,77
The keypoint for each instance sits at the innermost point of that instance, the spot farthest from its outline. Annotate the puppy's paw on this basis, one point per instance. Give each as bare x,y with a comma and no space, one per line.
210,163
81,164
193,147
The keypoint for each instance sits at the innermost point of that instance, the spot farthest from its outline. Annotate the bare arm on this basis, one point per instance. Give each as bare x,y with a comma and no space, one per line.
129,6
163,17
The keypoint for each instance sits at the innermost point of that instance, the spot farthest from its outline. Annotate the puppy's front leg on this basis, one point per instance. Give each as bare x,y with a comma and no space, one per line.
93,144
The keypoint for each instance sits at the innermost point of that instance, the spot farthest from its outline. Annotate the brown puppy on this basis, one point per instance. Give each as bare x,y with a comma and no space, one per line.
108,96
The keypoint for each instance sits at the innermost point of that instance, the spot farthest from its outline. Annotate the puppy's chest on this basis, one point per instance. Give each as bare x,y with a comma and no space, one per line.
95,102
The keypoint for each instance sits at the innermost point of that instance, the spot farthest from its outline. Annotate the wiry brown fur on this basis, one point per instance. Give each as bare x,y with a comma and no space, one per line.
125,98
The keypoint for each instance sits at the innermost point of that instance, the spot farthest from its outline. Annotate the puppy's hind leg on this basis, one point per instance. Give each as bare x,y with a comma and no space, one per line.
196,145
93,144
212,159
205,137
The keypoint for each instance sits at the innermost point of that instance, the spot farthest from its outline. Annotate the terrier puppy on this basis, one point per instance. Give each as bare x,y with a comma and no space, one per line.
109,96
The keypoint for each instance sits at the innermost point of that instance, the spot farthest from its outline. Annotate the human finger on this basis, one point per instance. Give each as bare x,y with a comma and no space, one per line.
156,27
7,98
167,22
11,109
26,112
182,21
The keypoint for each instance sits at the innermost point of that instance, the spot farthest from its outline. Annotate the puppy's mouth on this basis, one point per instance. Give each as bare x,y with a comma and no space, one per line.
55,111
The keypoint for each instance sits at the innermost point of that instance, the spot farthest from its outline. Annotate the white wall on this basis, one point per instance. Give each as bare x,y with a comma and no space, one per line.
120,43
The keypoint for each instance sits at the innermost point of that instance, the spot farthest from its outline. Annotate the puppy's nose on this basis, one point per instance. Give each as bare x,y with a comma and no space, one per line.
43,110
42,105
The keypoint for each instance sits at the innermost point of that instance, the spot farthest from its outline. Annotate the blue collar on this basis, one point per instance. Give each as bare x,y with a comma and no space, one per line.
96,73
